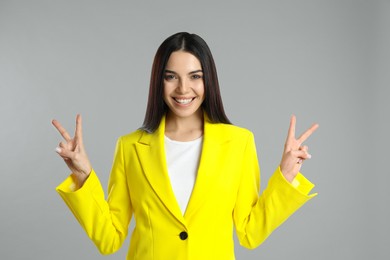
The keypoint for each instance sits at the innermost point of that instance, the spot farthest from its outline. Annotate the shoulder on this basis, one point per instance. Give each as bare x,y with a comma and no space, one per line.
132,137
234,130
228,132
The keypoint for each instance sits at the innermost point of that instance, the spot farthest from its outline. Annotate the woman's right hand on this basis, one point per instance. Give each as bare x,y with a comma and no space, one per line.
73,152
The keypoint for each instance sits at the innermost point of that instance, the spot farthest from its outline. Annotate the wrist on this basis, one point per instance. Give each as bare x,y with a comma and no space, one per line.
289,176
81,177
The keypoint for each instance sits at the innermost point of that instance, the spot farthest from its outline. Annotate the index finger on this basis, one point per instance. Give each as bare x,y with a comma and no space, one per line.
79,129
308,132
62,130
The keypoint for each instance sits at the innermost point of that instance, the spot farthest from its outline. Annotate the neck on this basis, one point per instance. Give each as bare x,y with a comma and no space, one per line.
184,128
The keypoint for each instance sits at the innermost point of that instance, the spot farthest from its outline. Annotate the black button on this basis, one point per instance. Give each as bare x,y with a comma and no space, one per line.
183,235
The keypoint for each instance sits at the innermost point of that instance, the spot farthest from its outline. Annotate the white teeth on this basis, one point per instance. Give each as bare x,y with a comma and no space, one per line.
183,101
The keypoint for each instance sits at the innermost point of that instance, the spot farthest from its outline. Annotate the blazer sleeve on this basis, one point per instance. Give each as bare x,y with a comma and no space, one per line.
105,221
255,217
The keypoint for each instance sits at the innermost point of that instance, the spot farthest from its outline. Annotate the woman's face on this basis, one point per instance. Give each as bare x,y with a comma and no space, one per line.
183,84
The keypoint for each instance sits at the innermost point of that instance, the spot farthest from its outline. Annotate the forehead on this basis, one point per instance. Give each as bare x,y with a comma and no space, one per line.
181,61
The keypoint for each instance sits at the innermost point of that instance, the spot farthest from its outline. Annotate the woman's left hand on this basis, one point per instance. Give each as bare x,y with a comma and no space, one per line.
294,153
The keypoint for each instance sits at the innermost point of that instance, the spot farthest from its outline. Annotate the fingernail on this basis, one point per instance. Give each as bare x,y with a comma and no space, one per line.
308,156
58,150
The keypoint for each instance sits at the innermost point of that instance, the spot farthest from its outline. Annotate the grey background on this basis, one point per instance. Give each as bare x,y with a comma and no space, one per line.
325,61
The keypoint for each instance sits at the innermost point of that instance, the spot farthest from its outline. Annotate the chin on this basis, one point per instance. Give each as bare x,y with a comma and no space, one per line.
181,113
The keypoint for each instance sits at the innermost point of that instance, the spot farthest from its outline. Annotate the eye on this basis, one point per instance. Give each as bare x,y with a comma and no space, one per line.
196,76
169,77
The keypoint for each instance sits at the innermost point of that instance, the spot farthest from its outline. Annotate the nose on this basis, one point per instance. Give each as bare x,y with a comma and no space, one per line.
183,86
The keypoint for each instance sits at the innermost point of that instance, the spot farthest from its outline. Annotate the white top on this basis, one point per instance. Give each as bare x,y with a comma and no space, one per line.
183,161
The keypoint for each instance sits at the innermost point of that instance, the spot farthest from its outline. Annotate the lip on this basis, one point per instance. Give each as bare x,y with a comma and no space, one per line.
183,99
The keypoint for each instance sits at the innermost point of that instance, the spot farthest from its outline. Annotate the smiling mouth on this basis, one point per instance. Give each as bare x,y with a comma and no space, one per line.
183,101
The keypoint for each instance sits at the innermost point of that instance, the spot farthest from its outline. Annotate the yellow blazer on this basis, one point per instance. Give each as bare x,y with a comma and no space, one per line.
226,194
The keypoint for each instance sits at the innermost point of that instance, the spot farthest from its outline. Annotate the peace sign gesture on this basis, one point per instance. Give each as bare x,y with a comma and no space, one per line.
73,152
294,153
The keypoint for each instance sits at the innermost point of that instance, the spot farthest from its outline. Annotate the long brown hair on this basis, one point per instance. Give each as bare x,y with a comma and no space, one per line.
195,45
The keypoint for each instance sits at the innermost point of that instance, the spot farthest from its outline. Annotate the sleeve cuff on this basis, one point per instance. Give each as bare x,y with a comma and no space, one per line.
69,184
300,183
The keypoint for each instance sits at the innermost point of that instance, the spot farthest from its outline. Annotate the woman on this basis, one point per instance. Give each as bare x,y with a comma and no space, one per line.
187,174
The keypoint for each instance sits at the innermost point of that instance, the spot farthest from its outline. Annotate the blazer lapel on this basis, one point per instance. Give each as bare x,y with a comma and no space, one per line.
151,152
208,172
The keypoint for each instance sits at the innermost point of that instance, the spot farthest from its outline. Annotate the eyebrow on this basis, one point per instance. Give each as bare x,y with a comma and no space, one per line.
192,72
